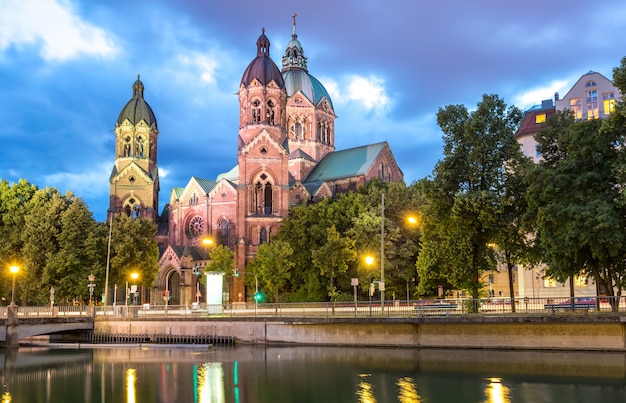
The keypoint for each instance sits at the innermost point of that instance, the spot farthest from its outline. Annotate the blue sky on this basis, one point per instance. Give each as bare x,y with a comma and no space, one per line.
67,67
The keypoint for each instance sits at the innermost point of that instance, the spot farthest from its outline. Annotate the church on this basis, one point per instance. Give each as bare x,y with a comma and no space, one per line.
285,157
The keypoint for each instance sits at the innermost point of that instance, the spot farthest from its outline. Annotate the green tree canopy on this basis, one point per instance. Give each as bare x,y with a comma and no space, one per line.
466,195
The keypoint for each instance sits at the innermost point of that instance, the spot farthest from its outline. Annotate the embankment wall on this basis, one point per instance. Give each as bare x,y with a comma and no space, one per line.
600,334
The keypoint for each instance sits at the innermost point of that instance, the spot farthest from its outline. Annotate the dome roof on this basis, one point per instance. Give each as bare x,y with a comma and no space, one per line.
137,109
300,80
262,68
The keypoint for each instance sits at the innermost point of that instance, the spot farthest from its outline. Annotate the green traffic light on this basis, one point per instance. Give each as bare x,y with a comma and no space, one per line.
258,296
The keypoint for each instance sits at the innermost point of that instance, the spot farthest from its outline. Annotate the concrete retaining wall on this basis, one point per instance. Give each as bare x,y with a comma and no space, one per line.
566,335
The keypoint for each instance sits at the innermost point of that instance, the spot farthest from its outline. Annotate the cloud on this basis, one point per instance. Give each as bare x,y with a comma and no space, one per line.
368,92
54,25
87,184
534,96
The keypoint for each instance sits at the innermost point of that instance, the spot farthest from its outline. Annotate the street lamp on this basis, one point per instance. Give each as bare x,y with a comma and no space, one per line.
91,286
369,260
13,270
133,290
208,243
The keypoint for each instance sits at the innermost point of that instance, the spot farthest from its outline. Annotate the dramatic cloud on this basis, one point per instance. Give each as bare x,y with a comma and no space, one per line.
54,27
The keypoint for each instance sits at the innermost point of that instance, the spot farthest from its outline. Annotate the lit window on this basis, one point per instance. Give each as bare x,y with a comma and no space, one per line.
540,118
549,282
592,104
575,104
608,99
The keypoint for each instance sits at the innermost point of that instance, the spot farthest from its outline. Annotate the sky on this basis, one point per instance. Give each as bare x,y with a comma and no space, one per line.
67,69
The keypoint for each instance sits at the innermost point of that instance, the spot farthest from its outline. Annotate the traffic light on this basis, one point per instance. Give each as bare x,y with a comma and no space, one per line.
236,272
258,296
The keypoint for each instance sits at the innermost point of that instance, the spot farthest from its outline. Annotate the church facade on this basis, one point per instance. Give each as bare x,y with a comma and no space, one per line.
285,157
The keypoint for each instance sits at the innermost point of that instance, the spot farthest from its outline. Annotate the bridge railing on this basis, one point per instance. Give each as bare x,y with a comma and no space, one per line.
49,312
362,309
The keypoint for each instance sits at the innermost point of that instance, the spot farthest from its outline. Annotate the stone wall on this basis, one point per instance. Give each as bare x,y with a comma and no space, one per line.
600,335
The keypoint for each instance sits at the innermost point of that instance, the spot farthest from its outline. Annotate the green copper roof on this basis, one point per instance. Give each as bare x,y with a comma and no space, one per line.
137,109
346,163
206,184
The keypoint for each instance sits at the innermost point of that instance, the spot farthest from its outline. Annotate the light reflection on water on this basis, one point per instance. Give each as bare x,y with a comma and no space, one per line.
496,392
294,374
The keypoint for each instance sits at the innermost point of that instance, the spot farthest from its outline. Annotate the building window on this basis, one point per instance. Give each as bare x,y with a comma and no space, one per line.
540,118
195,227
592,104
575,104
223,232
263,236
590,83
193,200
549,282
580,281
256,111
270,112
608,99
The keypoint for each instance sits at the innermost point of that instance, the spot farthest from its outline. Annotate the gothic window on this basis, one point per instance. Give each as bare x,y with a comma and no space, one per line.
268,199
263,198
263,236
126,147
224,232
132,208
195,227
256,111
270,112
297,130
193,200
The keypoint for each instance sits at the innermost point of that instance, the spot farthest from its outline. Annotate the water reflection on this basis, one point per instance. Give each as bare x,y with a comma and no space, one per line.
6,397
496,392
365,392
407,391
325,374
131,379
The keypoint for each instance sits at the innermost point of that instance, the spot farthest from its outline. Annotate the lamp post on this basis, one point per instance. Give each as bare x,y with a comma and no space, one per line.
369,260
13,270
91,286
133,290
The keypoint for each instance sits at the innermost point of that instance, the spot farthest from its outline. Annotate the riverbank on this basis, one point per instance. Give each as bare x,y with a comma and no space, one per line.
579,333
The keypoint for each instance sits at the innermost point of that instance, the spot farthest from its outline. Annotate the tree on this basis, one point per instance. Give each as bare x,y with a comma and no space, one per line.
464,199
333,257
222,260
133,250
273,265
576,198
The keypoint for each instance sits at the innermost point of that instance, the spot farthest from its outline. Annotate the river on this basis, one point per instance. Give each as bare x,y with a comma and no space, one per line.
165,374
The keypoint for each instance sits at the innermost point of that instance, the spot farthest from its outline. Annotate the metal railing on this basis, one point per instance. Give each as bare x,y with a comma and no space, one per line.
364,309
50,312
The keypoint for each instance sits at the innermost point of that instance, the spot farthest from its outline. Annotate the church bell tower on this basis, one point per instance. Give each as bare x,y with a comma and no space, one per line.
134,181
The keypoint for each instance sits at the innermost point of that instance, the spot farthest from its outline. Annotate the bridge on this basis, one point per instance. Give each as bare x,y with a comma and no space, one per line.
18,322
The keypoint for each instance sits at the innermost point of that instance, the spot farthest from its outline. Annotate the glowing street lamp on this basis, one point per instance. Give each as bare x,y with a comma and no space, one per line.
134,276
13,270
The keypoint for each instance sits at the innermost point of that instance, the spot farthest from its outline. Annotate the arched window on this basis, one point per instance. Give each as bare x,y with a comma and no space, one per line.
270,112
263,236
267,199
224,232
256,111
262,201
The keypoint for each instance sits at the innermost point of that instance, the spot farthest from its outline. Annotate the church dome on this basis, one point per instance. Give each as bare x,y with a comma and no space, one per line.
296,75
262,68
300,80
137,109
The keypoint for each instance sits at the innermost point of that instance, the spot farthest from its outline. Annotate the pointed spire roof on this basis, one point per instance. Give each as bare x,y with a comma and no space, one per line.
294,54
